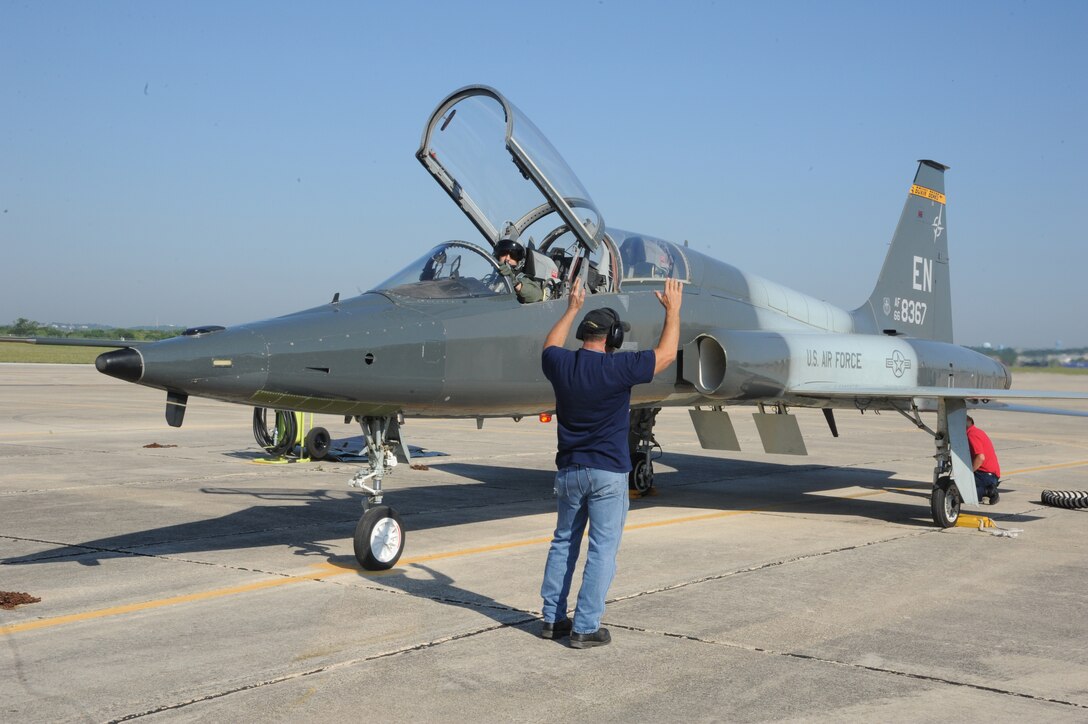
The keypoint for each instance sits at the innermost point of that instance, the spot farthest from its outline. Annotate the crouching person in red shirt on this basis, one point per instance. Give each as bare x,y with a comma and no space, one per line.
983,462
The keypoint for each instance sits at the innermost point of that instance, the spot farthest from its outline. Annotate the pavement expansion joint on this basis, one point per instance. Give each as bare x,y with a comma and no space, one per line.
79,549
770,564
323,669
846,664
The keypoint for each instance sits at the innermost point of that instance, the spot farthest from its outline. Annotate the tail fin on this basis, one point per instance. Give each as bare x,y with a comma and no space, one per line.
912,295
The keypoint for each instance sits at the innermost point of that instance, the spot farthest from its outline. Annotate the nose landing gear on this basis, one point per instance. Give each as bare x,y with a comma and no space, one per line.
641,441
379,536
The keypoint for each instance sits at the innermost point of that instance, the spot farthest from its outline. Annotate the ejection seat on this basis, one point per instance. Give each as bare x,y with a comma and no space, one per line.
543,269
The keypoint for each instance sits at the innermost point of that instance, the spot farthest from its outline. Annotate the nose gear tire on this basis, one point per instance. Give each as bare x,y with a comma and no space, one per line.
379,539
641,477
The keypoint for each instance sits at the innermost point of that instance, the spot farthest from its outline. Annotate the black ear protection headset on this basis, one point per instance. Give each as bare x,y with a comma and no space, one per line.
614,335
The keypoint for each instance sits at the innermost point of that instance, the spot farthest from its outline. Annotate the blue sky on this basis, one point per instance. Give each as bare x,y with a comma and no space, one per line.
202,163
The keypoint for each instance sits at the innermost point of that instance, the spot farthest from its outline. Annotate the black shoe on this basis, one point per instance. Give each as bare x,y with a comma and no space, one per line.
994,496
556,630
600,637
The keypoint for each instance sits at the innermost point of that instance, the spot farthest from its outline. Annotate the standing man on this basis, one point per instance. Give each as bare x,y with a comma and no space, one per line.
592,402
983,462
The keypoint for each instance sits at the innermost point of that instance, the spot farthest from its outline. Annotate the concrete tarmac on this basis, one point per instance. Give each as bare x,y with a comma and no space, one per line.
187,582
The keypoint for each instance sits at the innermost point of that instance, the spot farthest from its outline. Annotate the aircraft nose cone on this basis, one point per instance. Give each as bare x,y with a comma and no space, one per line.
124,364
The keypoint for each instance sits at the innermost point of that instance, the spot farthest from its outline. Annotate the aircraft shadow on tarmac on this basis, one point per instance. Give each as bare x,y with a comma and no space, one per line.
302,520
439,587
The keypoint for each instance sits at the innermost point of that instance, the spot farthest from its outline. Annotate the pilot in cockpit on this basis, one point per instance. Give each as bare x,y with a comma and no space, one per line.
511,257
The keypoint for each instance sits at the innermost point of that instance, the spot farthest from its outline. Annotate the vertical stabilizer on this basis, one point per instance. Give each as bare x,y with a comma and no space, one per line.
912,295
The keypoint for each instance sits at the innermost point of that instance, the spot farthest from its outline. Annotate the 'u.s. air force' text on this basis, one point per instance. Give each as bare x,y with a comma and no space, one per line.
834,360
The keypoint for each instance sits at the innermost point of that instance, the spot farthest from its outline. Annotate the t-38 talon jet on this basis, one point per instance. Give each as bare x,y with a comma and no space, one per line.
447,337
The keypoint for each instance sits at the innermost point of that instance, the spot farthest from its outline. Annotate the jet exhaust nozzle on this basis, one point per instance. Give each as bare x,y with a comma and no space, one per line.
124,364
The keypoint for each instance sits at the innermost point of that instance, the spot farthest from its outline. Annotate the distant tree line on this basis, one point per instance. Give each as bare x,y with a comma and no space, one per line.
23,327
1009,356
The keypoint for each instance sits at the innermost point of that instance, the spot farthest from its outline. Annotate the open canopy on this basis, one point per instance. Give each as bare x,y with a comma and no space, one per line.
468,145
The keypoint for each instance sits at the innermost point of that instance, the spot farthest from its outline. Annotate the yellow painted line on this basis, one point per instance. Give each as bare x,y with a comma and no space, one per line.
329,570
474,551
159,603
689,519
1056,466
340,568
323,570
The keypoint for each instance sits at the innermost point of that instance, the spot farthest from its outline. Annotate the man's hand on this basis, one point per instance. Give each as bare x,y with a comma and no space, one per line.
577,296
506,270
559,332
673,296
665,351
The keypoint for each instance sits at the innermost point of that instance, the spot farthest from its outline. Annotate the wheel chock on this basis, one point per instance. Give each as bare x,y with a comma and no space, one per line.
974,521
279,461
635,495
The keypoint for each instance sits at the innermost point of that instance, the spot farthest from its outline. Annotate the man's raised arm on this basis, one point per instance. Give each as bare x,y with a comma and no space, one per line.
558,336
671,298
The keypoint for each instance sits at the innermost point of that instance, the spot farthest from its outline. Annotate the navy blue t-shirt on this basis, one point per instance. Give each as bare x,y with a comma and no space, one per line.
592,402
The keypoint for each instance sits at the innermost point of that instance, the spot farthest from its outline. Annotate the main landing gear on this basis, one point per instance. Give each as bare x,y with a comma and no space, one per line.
379,536
641,442
945,499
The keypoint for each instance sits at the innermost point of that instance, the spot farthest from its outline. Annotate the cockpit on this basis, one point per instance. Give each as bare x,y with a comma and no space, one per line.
645,258
460,270
468,145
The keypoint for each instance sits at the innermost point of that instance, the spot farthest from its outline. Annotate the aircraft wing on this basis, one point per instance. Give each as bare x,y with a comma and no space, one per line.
74,342
1005,407
979,398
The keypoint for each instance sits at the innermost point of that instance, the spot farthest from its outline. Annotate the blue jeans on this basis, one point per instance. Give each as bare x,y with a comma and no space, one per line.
985,483
585,495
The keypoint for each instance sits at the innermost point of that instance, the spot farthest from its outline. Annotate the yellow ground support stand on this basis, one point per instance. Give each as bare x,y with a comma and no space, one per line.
304,422
974,521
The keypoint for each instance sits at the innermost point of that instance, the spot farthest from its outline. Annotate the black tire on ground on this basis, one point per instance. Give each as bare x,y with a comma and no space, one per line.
1071,499
379,539
641,477
944,503
317,443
